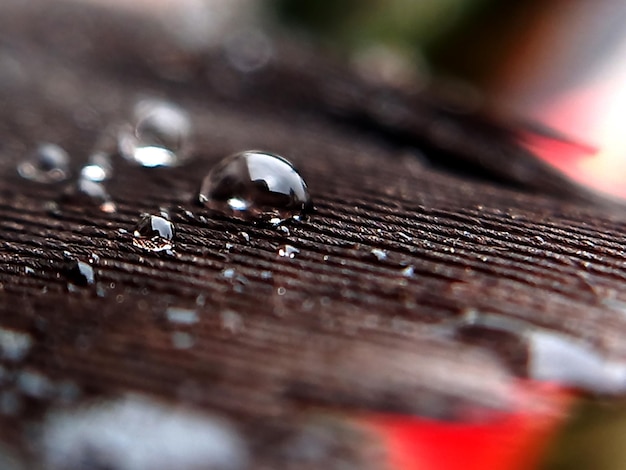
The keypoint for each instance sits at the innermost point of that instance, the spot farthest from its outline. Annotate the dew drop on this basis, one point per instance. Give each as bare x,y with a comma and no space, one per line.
256,185
231,321
14,345
160,134
181,316
288,251
154,233
228,273
98,169
409,271
49,163
97,194
80,274
182,340
34,384
381,255
245,236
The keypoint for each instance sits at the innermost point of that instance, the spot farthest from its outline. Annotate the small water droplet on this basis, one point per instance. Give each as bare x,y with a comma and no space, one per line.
34,384
231,321
228,273
79,273
181,316
326,258
284,229
381,255
48,164
97,194
28,270
245,236
14,345
98,169
409,271
281,291
159,135
182,340
256,185
288,251
154,233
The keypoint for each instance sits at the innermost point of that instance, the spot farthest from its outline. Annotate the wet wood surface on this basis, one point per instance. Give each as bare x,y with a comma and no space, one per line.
411,241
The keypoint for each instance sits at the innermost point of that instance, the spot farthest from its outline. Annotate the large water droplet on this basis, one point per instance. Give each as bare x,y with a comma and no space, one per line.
159,135
256,185
48,164
154,233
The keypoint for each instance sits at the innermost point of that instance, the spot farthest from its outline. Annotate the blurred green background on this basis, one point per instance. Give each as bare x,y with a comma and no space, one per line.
462,38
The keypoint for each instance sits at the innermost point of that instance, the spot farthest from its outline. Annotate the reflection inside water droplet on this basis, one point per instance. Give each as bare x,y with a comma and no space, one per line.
159,135
79,273
154,233
48,164
256,185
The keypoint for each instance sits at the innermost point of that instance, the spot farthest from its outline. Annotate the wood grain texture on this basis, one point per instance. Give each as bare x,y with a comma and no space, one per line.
287,340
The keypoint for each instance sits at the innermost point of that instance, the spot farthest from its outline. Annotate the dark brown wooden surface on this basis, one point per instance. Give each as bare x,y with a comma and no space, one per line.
290,339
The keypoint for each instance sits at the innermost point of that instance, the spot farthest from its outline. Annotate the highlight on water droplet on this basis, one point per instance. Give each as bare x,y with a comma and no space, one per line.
49,163
380,255
159,135
154,233
288,251
255,185
98,169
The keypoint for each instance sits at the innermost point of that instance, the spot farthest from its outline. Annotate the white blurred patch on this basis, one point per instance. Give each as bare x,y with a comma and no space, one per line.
562,359
14,345
136,433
